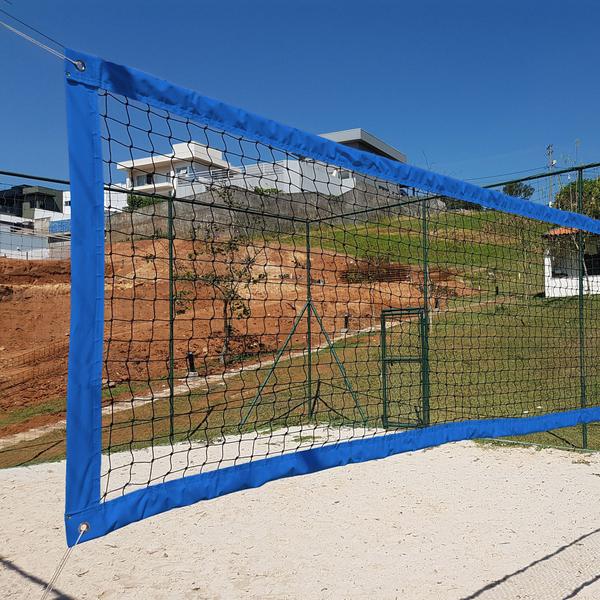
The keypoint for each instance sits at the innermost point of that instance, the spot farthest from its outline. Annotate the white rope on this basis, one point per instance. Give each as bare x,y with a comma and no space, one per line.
77,63
81,67
63,561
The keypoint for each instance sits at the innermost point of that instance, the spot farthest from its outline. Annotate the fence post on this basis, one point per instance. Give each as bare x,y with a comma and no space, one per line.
170,235
581,273
308,320
384,371
425,322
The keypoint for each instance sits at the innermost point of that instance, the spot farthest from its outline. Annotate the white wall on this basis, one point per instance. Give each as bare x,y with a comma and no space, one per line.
113,201
562,287
37,254
289,177
23,245
52,215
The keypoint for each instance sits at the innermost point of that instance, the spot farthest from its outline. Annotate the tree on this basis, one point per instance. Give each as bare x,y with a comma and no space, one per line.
233,256
566,199
519,190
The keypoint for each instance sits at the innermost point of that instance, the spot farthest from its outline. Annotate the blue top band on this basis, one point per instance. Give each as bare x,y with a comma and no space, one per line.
140,86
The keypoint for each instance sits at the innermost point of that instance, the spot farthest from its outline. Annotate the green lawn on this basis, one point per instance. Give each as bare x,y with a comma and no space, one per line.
479,368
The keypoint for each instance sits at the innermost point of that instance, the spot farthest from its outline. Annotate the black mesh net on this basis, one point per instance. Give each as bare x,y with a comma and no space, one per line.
260,302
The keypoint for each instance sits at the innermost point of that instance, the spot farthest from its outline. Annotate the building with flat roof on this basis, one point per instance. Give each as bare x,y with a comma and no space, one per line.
35,221
158,173
363,140
192,168
22,201
562,260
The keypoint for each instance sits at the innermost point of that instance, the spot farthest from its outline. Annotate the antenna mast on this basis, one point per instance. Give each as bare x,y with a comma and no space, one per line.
551,164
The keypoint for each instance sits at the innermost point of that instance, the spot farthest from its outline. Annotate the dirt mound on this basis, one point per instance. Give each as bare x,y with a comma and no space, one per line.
34,327
34,313
19,272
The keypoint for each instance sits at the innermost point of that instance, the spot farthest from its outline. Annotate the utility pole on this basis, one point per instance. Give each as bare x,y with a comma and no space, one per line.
551,165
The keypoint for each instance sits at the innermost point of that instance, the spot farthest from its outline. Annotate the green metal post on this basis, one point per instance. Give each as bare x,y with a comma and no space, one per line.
308,322
384,372
581,270
425,318
261,387
340,364
170,235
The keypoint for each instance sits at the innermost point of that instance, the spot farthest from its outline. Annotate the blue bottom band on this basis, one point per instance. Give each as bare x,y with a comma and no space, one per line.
135,506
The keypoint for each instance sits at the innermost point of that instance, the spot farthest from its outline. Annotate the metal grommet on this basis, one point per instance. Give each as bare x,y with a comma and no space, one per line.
83,527
79,65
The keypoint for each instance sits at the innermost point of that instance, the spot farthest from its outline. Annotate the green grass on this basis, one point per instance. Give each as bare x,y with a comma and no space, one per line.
58,406
475,355
486,248
568,437
21,415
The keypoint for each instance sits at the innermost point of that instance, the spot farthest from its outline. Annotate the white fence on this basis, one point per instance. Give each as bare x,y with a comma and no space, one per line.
26,244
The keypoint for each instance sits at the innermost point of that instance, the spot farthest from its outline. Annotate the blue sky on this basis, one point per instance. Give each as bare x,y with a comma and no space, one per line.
469,88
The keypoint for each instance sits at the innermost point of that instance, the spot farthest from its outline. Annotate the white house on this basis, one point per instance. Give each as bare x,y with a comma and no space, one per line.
113,202
193,168
561,263
160,173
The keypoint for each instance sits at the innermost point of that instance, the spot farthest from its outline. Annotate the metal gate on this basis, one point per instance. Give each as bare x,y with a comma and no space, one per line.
405,367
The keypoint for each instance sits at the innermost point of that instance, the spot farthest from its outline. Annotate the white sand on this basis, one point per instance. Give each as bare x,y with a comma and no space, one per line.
436,524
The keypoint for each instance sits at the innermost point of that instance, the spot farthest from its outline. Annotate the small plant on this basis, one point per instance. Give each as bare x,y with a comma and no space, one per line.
137,201
181,301
266,191
188,276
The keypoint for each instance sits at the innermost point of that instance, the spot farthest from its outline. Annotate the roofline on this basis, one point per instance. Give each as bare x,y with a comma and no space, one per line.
160,159
142,162
32,189
550,233
358,134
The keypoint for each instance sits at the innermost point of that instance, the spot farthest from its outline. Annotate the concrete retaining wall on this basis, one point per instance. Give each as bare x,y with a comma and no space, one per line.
271,214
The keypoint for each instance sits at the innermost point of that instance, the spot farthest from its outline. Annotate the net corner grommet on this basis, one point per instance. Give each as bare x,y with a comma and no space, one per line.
84,527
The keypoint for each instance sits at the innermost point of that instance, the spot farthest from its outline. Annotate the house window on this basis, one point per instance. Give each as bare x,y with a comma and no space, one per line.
565,262
161,178
146,179
592,264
